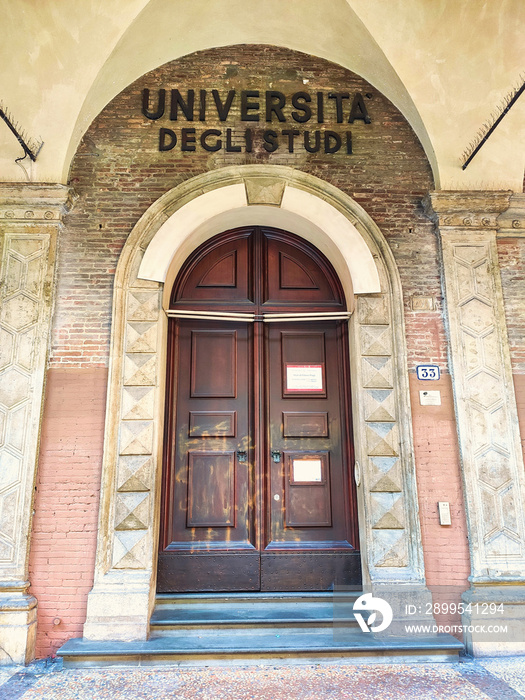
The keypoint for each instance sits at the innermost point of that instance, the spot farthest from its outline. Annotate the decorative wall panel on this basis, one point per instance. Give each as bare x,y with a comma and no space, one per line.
486,411
385,492
485,402
29,225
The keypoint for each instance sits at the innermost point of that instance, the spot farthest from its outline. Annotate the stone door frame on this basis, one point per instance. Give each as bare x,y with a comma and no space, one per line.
122,598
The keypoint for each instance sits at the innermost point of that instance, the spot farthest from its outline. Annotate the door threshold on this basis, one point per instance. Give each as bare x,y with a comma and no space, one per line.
251,595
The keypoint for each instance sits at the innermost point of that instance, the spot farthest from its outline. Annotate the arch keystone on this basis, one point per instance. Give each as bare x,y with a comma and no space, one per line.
264,190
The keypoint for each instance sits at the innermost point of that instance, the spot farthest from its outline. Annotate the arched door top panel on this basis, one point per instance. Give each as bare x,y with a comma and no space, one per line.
220,278
219,274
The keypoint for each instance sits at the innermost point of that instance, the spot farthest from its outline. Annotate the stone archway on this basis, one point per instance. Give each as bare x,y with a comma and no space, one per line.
120,603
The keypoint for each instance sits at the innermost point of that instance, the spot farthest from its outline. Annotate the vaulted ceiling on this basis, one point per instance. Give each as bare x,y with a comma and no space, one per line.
447,65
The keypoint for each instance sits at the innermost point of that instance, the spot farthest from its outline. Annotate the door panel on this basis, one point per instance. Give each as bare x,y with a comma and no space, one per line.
218,378
307,500
303,364
308,491
211,489
213,424
209,514
224,274
305,424
296,276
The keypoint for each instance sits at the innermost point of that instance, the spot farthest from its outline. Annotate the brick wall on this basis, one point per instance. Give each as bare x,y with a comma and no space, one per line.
118,172
62,556
436,449
511,254
519,388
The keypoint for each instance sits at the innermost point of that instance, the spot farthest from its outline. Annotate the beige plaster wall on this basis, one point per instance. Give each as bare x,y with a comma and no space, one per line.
446,65
458,60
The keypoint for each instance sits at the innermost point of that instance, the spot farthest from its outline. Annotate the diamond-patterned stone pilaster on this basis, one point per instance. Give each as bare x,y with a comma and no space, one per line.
392,545
385,474
131,458
30,218
137,429
486,411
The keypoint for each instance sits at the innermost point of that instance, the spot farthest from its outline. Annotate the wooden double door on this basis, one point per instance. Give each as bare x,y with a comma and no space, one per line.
257,493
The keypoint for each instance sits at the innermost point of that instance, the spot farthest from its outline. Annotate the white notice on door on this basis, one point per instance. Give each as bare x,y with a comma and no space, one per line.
304,377
307,470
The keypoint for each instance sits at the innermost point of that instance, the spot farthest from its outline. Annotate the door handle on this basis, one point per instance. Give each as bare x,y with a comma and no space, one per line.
276,456
241,455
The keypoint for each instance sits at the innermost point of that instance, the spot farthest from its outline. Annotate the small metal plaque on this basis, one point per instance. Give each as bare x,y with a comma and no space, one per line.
304,378
307,470
422,303
444,513
430,398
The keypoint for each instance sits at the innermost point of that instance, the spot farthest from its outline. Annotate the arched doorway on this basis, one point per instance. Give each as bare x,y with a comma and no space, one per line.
123,595
257,493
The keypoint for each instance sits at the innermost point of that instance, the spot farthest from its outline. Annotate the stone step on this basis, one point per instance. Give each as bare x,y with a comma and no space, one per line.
242,611
308,645
207,629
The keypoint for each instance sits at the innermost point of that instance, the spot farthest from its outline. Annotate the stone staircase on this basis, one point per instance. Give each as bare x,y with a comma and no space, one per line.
207,629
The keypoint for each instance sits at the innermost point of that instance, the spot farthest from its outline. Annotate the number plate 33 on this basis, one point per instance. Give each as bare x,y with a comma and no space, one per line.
427,372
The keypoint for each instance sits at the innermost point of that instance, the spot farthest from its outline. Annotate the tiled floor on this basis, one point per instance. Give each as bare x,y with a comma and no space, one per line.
497,679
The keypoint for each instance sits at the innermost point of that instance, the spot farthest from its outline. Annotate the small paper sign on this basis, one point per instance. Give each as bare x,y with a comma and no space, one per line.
304,378
307,470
